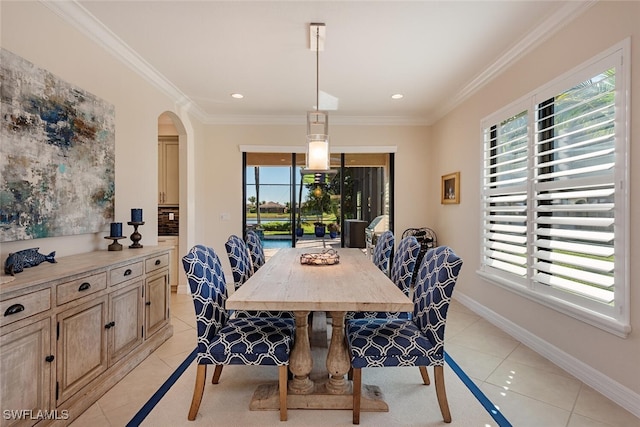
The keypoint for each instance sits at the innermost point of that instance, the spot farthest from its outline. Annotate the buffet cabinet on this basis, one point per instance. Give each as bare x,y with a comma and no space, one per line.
70,331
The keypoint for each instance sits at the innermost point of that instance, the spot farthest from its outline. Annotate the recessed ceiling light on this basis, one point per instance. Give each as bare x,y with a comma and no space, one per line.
237,95
397,96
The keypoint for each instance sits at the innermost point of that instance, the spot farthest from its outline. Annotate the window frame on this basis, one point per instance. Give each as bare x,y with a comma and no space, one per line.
614,319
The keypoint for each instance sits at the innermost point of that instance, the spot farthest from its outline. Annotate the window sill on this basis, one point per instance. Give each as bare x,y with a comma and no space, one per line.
593,318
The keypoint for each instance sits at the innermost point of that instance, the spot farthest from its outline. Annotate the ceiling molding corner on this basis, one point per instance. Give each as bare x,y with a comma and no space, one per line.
85,22
558,20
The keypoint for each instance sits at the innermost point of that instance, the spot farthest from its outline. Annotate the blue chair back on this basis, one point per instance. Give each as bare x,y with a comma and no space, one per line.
437,277
254,243
208,290
383,250
239,259
404,263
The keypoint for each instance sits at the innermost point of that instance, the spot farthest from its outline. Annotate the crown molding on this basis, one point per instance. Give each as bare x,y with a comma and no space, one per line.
80,18
558,20
301,120
85,22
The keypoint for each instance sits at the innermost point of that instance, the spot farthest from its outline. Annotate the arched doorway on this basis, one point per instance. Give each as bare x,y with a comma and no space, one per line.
173,225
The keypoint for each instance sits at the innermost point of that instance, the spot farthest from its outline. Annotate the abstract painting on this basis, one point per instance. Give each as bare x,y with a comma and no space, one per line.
57,155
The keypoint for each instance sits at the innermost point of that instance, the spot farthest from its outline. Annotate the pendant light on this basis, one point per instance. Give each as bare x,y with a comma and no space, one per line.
318,158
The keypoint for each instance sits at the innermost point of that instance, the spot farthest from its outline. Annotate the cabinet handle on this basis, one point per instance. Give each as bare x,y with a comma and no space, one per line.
147,303
14,309
110,325
85,286
128,272
158,262
49,358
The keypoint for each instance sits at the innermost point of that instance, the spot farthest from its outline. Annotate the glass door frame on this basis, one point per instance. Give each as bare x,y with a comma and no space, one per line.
293,185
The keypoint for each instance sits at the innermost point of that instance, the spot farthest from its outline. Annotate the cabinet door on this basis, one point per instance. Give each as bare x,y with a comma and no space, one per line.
172,241
156,303
161,174
168,171
172,177
82,346
125,321
25,371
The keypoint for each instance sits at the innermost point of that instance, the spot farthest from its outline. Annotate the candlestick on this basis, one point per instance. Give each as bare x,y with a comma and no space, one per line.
136,215
114,246
136,236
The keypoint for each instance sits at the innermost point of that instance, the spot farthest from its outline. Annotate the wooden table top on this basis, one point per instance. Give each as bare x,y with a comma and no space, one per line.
354,284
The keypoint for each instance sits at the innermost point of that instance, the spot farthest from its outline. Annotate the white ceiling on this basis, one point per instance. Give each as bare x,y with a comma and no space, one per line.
434,52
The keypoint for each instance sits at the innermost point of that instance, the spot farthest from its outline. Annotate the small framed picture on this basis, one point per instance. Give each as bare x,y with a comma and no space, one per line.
450,192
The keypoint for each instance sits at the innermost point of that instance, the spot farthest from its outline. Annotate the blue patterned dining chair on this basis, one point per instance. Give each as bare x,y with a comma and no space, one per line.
404,262
231,341
383,251
256,251
409,342
240,261
239,258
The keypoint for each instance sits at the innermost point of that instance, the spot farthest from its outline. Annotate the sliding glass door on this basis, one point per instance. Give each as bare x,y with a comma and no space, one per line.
289,207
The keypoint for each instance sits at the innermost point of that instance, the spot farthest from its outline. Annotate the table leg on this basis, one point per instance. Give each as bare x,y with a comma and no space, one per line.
300,361
338,361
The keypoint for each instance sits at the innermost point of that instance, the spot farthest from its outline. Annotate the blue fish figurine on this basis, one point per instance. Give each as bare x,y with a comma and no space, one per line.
18,261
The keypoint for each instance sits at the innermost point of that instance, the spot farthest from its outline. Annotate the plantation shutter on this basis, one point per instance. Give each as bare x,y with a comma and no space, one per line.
574,189
504,195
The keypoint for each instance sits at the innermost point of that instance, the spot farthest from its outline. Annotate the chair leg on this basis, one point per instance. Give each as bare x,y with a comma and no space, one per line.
357,390
438,372
216,374
425,375
282,376
198,390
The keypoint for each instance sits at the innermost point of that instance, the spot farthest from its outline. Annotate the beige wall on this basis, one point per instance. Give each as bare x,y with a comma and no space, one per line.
458,147
219,171
33,32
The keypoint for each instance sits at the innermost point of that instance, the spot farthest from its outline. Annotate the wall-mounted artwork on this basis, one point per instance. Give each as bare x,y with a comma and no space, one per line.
450,189
57,155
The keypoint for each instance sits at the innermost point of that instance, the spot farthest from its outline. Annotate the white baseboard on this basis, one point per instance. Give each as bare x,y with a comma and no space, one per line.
595,379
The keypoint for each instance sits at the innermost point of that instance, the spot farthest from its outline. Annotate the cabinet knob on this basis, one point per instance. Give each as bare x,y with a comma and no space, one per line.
49,358
85,286
158,262
147,303
14,309
110,325
127,272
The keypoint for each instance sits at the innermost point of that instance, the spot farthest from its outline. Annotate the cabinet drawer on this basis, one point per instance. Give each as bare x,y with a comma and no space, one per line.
81,287
129,271
157,262
23,306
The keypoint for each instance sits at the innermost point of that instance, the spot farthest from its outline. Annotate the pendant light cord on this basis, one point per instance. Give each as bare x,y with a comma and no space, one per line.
317,68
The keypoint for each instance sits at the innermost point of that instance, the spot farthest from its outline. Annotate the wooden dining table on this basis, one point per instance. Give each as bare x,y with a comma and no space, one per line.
353,284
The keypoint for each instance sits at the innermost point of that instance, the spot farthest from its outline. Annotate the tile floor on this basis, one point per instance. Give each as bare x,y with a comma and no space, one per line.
529,390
